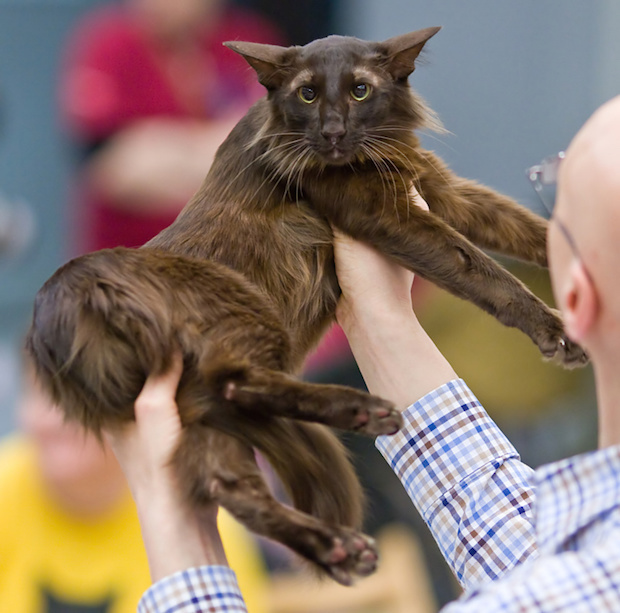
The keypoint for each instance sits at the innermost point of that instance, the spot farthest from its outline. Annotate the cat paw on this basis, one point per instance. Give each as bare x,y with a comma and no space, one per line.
570,354
351,555
360,412
382,419
557,347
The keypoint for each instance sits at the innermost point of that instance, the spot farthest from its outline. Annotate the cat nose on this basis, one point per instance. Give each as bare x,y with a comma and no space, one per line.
333,133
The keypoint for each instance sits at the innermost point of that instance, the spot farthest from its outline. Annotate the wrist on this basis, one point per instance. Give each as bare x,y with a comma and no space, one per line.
368,313
176,537
397,358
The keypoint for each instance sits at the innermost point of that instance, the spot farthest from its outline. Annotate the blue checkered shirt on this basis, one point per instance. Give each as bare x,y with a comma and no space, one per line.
208,589
518,540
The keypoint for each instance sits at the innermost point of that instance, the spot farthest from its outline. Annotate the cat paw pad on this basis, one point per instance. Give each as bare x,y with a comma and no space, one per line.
383,419
351,554
557,347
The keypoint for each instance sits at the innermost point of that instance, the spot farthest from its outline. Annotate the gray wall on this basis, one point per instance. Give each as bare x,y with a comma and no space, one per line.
34,165
512,81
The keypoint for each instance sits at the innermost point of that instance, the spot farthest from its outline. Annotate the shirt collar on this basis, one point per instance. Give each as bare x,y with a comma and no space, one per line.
573,495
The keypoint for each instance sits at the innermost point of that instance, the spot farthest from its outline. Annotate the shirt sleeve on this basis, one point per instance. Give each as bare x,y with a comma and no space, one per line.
207,588
468,483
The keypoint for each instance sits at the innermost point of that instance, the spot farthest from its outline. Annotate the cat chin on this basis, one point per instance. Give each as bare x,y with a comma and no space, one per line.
336,157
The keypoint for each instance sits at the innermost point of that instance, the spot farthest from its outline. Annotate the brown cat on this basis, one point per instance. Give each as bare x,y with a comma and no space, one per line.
243,282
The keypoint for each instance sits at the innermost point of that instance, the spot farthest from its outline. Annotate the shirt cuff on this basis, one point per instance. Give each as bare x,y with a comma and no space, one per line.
447,437
206,588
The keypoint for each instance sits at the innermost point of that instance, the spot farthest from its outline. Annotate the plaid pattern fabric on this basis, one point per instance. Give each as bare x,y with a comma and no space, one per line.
574,494
466,480
561,555
519,541
208,589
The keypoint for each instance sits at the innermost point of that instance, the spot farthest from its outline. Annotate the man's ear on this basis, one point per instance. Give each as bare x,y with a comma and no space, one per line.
402,51
269,61
580,302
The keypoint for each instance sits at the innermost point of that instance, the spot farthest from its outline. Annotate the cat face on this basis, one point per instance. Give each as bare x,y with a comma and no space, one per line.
341,99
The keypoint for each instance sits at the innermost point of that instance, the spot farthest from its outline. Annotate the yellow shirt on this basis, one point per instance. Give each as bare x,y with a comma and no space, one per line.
48,556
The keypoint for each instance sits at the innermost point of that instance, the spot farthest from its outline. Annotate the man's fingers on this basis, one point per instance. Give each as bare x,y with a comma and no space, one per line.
160,388
155,408
417,199
165,382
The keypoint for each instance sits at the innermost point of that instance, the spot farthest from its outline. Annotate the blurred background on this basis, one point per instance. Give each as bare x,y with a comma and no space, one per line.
512,83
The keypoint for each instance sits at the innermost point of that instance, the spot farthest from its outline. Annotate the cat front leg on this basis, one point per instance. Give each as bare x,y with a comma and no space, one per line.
486,217
428,246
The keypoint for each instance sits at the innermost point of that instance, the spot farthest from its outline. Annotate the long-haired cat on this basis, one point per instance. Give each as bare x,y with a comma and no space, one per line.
243,282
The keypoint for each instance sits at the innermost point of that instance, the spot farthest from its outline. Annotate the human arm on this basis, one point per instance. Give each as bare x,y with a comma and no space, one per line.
463,475
146,118
157,164
184,549
395,355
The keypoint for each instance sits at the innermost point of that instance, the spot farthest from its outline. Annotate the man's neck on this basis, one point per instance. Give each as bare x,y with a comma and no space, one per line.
608,398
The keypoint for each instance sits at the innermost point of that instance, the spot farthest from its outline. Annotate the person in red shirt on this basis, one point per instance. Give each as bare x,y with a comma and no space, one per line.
147,93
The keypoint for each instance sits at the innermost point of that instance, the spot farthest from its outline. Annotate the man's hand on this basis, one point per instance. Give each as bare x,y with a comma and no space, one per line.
368,279
396,357
176,536
144,449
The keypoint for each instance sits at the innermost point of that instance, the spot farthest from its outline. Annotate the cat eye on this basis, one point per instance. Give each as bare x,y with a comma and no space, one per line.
307,94
361,91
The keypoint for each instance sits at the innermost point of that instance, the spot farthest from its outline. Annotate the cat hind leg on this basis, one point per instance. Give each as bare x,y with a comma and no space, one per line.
265,391
340,552
214,467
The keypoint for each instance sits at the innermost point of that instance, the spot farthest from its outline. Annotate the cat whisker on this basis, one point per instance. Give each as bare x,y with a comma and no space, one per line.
292,174
376,157
410,131
389,153
279,135
395,144
439,140
264,133
384,149
279,143
399,144
259,158
274,173
370,155
234,179
393,151
417,153
274,151
283,170
393,128
306,155
292,166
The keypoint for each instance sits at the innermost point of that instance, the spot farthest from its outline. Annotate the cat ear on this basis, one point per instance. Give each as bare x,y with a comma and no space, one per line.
267,60
402,51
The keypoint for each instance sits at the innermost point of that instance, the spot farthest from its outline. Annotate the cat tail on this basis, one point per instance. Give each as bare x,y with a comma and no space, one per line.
314,468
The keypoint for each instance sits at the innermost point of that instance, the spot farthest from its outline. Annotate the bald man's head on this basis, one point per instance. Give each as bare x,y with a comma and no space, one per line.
589,178
588,207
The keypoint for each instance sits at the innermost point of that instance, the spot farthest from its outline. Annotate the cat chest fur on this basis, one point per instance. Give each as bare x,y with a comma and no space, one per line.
285,249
